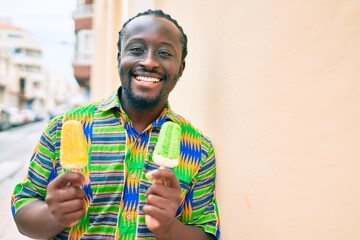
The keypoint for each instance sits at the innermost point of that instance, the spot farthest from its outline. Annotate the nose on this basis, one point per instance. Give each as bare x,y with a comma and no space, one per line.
149,61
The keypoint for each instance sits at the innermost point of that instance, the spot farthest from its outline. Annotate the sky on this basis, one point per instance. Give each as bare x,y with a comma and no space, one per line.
50,23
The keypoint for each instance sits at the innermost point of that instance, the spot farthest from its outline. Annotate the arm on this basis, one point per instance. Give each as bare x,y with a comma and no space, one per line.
162,203
35,221
63,207
34,200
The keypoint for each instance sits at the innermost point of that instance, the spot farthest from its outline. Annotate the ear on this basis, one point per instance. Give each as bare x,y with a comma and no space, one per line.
118,59
181,69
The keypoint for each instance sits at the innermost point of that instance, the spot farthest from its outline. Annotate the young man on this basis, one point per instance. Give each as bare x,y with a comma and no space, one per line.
126,198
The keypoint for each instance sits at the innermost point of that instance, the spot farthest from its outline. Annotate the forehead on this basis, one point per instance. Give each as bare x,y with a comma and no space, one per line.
152,28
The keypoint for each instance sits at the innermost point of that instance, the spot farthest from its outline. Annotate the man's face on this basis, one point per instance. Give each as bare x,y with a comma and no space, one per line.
149,62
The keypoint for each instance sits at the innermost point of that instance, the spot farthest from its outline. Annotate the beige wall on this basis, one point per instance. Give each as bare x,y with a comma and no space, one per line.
276,85
106,27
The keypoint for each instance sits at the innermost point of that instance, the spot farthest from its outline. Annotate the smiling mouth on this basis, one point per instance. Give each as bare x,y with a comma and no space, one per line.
147,79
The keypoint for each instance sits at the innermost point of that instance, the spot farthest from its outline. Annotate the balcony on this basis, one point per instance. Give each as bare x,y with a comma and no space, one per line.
82,74
83,23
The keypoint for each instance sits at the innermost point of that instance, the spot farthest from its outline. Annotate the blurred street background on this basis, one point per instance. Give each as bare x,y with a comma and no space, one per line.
37,82
17,145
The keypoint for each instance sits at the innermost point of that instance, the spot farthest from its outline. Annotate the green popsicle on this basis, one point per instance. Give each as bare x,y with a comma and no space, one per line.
167,149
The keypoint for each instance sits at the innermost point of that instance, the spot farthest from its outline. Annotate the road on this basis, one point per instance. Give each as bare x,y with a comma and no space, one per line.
16,147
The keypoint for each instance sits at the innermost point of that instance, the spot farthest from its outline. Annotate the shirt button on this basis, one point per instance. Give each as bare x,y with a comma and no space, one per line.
133,176
129,216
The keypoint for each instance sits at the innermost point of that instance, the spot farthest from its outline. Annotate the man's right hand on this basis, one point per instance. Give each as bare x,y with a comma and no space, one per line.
65,198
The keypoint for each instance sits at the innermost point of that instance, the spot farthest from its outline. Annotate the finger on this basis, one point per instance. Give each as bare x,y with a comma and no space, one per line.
157,201
70,219
154,212
72,206
71,193
159,175
159,190
162,216
63,180
170,194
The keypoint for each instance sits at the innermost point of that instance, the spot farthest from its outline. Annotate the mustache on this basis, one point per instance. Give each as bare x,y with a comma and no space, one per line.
144,70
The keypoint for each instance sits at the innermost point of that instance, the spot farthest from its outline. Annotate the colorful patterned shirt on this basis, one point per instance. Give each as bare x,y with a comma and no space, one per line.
119,158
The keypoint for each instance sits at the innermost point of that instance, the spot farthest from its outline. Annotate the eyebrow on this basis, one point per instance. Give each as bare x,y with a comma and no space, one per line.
134,40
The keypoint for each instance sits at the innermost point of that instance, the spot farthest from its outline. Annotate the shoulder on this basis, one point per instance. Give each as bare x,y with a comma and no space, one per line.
83,113
192,132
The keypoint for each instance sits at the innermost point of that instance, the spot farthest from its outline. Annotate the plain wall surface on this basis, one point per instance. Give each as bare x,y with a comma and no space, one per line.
276,85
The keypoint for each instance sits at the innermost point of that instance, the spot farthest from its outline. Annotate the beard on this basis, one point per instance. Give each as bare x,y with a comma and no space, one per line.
141,103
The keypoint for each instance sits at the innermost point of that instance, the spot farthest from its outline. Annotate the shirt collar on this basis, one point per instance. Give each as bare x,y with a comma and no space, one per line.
113,102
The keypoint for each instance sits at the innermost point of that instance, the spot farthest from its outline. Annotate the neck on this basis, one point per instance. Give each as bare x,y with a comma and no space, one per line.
141,118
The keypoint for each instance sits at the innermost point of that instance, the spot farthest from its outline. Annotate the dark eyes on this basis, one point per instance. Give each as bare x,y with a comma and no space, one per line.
139,50
136,50
164,53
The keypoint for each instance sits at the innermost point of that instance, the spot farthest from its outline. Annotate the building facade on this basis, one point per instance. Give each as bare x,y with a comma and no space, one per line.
8,76
23,68
83,17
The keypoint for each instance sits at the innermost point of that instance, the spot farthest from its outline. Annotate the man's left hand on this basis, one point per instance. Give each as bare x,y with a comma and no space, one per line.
162,201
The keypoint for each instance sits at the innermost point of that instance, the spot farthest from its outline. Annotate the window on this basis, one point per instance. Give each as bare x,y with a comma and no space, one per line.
14,35
17,51
22,85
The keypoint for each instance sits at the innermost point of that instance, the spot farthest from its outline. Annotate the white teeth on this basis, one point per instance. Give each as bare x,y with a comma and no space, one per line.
147,79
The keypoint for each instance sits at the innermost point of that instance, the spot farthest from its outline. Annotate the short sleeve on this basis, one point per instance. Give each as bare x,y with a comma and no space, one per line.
200,206
40,172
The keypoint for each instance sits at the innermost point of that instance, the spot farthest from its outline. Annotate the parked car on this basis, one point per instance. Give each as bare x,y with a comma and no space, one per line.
16,118
40,115
4,119
28,115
